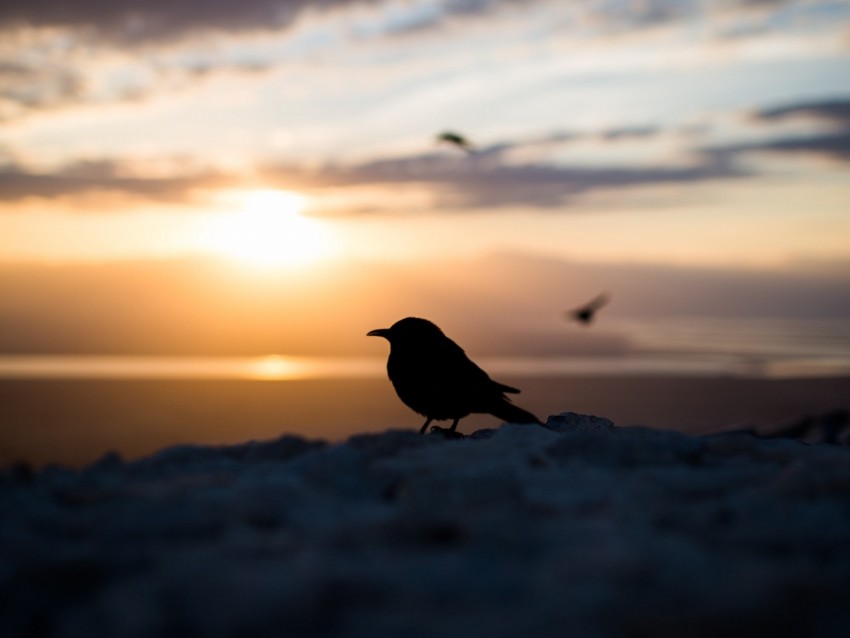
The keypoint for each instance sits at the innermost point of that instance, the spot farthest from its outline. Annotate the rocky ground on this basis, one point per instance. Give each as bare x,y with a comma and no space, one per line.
579,529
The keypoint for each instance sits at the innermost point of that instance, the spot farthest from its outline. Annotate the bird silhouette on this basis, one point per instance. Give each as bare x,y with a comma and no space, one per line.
456,139
584,314
433,376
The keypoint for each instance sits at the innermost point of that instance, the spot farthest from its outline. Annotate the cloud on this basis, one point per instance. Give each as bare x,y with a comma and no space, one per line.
55,53
130,21
491,179
537,185
28,86
86,177
628,132
61,42
39,86
837,111
455,184
514,173
834,144
134,22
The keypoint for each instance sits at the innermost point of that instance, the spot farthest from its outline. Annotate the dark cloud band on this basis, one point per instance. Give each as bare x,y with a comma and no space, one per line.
133,21
487,179
130,20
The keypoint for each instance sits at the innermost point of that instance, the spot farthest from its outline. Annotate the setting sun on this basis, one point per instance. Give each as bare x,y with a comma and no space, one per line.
266,228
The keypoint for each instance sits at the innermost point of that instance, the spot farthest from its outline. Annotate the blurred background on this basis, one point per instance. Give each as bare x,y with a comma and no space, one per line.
204,208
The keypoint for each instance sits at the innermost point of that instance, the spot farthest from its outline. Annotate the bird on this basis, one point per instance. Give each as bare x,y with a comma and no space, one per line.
433,376
585,313
456,139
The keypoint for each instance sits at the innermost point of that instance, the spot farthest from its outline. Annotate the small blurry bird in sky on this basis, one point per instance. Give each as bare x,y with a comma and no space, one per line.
455,139
585,313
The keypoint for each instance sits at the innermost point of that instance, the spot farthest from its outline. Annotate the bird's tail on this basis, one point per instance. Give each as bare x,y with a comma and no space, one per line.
511,413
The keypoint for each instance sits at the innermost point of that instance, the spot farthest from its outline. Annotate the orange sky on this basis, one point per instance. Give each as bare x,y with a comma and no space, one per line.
656,149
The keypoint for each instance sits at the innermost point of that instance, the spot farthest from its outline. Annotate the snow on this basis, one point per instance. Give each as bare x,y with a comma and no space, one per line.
578,529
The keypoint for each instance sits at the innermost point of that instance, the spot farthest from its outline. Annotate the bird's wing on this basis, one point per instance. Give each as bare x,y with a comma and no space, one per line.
464,372
591,306
598,302
456,139
506,388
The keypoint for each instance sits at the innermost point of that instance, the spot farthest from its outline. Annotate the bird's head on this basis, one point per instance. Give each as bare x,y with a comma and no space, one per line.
408,330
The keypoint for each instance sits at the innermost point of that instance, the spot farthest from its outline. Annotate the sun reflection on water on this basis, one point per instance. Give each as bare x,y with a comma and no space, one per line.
275,368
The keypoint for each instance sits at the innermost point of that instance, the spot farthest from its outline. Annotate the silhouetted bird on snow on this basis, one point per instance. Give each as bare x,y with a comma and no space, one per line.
433,376
584,314
455,139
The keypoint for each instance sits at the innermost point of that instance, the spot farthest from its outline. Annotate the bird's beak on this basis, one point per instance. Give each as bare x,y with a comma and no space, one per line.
380,332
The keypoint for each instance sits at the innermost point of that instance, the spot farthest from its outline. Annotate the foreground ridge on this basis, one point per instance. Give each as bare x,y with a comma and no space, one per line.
516,530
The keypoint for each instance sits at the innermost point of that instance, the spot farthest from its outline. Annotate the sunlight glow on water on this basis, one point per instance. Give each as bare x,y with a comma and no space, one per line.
289,368
268,368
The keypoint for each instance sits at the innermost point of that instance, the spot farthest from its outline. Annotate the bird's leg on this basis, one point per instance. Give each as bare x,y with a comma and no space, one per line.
425,427
449,432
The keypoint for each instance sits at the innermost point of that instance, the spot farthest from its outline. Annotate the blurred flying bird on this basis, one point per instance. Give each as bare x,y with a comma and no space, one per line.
433,376
584,314
456,139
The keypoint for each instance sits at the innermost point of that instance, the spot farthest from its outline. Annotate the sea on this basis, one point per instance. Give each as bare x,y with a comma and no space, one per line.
755,348
697,376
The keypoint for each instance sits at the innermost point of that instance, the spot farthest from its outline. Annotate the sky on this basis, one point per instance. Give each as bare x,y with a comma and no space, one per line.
264,176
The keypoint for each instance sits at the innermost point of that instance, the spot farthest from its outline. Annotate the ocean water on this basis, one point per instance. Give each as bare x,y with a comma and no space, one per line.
767,348
691,376
760,348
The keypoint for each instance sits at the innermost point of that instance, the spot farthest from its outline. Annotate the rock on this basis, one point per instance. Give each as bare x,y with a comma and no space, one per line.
572,422
518,531
483,433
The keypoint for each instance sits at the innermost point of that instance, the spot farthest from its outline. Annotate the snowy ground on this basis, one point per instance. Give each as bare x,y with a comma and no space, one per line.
582,530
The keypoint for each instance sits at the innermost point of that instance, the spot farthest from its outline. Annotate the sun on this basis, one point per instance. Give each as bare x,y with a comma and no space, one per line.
266,228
